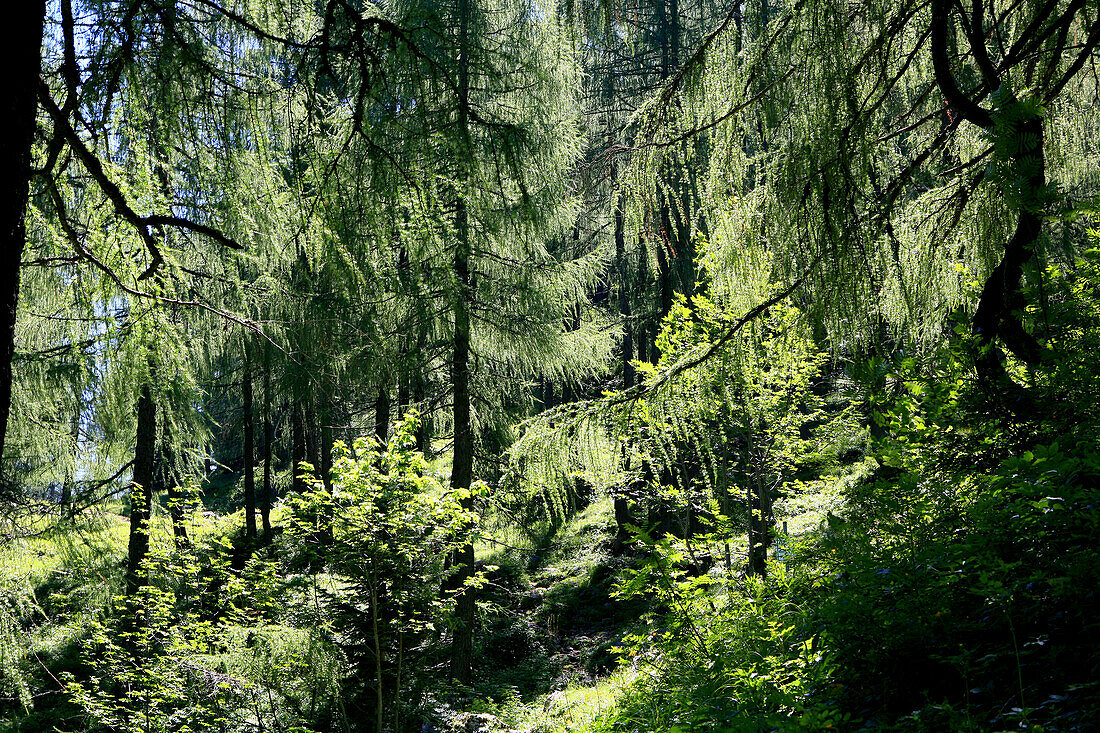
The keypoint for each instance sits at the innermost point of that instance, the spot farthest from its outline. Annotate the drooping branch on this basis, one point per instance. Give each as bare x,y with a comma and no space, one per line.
143,225
74,238
699,356
1088,48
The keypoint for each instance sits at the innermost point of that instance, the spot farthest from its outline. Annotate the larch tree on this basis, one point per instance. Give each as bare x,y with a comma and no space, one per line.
470,122
886,155
22,58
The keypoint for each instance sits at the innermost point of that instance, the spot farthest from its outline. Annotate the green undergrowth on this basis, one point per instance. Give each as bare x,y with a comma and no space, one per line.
550,614
226,646
947,582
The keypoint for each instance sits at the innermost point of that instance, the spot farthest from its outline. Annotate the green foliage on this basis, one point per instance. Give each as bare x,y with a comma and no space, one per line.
387,528
163,661
408,184
942,579
17,606
144,677
724,655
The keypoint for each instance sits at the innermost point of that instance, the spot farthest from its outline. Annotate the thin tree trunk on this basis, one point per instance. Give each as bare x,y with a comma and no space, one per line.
623,517
325,536
314,438
424,432
381,698
249,448
21,60
165,471
323,461
463,460
403,393
761,515
624,295
757,549
297,445
269,487
69,485
382,415
141,491
668,28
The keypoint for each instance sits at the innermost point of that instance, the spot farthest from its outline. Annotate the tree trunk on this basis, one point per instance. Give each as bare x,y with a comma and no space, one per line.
403,393
314,438
141,491
165,471
1001,297
323,461
624,295
249,448
21,59
462,469
758,549
269,488
761,512
671,246
623,517
424,431
297,445
463,462
325,441
382,415
68,487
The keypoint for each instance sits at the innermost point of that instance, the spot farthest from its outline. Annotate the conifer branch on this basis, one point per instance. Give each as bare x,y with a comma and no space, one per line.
141,224
967,108
690,361
74,238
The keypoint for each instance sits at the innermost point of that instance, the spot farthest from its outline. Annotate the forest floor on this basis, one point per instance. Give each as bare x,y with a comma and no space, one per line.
552,622
574,636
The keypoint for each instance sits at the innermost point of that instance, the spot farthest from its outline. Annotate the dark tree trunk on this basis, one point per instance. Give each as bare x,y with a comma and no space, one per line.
314,439
671,245
68,487
424,432
323,459
297,445
141,491
642,343
623,517
382,415
757,536
248,418
269,434
1001,297
167,479
761,511
21,60
403,393
325,441
1001,294
462,466
624,295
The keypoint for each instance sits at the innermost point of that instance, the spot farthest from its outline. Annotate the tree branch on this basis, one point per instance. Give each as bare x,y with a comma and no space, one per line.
967,108
141,224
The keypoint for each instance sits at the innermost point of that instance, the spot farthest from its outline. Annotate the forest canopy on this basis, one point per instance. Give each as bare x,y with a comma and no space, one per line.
451,364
